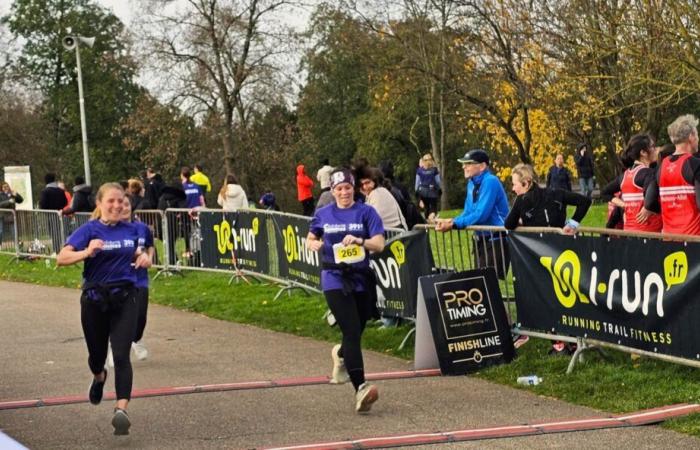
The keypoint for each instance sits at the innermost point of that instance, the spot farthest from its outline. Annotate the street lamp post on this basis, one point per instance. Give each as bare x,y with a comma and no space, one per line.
70,43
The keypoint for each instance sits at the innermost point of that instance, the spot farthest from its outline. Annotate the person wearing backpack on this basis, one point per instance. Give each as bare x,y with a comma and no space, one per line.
428,186
83,198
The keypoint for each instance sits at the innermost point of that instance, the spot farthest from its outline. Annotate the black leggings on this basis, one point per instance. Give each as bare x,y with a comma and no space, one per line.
142,311
117,324
351,312
430,205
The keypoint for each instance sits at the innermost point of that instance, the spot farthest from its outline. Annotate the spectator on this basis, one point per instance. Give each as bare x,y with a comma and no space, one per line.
485,204
135,193
199,178
232,196
324,175
173,196
427,186
8,200
69,196
537,207
268,201
559,176
304,194
677,183
633,183
584,166
153,189
193,191
52,196
408,208
83,200
378,196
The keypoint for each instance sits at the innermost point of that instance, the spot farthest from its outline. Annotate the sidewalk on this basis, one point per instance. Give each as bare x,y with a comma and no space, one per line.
44,356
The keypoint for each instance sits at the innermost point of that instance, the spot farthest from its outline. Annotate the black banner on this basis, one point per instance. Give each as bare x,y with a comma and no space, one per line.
633,292
405,258
241,235
296,262
468,320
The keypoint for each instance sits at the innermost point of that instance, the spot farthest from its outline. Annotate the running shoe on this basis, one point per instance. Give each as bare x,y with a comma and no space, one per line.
365,396
340,374
96,389
140,350
520,341
121,422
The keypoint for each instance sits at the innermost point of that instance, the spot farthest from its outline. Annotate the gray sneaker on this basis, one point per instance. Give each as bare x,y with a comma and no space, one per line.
120,422
365,396
340,374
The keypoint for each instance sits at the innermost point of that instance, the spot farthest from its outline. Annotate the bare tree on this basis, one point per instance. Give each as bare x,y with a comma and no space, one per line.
222,59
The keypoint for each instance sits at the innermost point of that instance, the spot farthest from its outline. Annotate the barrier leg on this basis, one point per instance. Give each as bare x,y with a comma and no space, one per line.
408,335
169,272
581,347
289,288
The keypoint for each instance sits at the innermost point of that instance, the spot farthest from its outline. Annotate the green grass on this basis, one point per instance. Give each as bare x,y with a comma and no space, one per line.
612,383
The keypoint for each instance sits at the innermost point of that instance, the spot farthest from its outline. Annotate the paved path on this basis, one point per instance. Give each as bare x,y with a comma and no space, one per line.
44,355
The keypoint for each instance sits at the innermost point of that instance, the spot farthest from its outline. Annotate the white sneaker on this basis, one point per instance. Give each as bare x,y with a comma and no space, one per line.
110,357
140,350
365,396
340,374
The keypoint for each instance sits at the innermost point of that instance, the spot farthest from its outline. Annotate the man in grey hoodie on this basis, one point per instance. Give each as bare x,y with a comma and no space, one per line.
83,200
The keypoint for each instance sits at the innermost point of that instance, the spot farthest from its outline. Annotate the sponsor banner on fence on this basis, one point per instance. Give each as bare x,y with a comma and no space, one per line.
228,235
467,319
633,292
296,262
405,258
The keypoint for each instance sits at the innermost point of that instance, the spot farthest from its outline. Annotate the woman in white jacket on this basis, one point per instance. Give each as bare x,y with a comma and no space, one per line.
232,196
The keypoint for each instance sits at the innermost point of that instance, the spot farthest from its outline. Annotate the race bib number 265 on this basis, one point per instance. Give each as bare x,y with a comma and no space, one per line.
348,254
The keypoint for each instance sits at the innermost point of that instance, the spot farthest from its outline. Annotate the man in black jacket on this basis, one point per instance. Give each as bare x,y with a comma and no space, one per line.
83,200
584,165
52,196
153,189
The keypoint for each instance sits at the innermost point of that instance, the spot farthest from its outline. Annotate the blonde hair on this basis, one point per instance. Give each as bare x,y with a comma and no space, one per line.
526,173
428,160
97,213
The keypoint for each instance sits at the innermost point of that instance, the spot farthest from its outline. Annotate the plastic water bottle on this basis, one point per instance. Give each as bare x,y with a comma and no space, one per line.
530,380
47,261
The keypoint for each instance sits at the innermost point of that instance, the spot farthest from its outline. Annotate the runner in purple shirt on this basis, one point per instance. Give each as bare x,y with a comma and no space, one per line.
109,249
345,232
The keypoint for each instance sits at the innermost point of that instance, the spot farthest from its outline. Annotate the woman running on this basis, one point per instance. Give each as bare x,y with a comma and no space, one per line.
109,249
345,231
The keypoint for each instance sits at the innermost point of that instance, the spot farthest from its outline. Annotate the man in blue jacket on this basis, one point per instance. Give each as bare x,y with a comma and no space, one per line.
486,204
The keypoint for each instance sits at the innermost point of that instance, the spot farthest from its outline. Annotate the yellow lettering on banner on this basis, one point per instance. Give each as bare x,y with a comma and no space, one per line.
566,276
223,237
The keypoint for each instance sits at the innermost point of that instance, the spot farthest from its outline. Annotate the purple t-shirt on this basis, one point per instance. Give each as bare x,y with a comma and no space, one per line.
192,191
113,262
333,224
145,242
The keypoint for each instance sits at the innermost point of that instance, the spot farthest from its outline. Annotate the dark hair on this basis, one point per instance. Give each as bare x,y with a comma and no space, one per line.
324,162
231,179
581,145
375,175
79,179
198,167
387,168
124,184
185,172
635,146
49,178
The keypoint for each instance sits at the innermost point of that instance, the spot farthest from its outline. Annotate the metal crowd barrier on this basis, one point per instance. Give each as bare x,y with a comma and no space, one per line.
471,248
585,343
40,233
8,232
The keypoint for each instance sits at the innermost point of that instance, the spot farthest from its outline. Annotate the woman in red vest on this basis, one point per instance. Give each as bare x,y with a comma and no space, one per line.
638,157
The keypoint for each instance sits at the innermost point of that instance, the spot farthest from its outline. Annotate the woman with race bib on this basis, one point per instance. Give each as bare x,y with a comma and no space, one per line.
110,251
345,232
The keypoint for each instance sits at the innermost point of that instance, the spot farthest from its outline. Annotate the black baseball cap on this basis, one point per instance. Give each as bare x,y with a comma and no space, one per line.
475,156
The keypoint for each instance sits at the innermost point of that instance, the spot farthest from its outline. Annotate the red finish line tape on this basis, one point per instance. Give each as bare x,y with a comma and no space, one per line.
644,417
197,389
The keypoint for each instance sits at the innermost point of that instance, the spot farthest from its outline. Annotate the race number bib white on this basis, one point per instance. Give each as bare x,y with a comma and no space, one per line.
348,254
